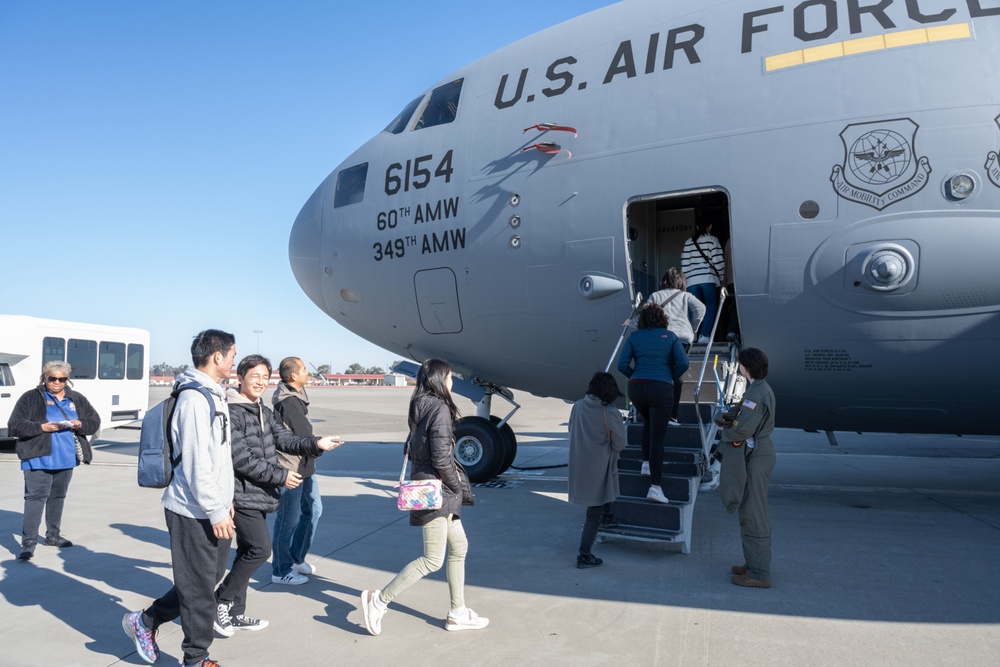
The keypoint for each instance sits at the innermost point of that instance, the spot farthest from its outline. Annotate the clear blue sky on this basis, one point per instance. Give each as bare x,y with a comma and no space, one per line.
153,155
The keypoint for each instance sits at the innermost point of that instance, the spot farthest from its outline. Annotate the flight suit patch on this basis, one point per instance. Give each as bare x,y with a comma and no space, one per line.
749,404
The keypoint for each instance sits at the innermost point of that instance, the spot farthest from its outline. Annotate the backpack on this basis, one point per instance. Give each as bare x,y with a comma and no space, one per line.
156,447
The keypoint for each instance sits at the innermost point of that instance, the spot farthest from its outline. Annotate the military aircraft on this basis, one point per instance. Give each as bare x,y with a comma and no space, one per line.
512,214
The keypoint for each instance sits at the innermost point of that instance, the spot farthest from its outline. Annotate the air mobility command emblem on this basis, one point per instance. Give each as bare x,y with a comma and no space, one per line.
992,159
880,166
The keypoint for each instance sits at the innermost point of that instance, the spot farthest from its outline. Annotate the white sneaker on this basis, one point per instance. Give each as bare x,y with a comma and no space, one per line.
704,339
673,422
656,493
304,568
373,611
465,620
645,468
290,579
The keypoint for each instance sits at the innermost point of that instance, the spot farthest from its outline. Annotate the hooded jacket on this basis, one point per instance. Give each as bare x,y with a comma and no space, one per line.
291,407
202,485
258,438
29,414
432,453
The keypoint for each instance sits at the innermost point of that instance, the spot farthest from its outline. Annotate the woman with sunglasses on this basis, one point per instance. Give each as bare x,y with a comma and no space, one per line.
46,422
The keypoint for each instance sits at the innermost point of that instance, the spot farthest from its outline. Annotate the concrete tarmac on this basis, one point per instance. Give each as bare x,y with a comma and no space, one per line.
886,552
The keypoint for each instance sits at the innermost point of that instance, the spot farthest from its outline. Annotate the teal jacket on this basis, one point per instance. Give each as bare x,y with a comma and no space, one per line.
653,354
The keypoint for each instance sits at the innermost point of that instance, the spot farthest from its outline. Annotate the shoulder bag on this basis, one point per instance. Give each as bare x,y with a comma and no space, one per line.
420,494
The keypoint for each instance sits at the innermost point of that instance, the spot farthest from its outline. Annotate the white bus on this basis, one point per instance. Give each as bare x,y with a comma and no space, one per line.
109,365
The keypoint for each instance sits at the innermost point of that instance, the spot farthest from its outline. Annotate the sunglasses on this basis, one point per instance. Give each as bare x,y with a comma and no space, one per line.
55,379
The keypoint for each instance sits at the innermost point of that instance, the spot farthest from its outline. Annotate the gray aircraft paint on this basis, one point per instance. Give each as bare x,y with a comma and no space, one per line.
824,165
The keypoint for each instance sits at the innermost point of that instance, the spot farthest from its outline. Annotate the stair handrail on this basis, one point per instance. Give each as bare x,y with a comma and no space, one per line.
625,328
702,431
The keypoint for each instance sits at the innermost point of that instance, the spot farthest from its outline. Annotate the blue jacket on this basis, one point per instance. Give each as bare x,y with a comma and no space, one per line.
653,354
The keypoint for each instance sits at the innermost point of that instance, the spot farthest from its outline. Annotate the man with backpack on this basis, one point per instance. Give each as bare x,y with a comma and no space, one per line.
197,503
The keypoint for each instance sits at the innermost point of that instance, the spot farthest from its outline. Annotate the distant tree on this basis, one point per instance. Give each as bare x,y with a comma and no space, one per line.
355,369
323,369
167,370
375,370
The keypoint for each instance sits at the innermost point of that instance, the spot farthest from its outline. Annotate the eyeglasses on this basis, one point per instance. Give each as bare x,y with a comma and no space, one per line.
55,379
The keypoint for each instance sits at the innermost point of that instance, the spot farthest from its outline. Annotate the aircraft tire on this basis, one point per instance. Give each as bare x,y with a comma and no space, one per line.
479,447
510,445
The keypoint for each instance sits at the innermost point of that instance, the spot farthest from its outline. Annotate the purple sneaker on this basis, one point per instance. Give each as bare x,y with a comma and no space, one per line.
144,638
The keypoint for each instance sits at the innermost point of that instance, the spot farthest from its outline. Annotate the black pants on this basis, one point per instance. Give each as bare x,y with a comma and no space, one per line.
594,515
253,548
199,561
44,490
653,401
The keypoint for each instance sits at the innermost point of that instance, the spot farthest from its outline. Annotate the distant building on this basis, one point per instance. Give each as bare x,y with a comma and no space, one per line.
355,379
395,380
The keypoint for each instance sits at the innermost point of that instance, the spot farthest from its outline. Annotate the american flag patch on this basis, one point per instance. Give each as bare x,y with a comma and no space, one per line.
749,404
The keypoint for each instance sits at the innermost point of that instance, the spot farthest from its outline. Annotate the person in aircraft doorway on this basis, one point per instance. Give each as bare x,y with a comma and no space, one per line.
747,461
704,265
653,358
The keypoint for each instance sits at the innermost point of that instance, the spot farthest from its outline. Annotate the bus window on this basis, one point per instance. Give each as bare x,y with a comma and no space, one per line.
6,377
134,366
82,356
111,361
53,349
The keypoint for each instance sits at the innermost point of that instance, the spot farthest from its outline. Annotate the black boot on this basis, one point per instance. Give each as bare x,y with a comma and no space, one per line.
27,549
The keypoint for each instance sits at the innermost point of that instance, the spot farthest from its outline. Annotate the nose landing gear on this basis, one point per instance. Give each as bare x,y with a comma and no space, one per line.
485,445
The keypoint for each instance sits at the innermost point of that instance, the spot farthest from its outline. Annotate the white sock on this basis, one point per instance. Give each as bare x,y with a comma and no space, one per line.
457,612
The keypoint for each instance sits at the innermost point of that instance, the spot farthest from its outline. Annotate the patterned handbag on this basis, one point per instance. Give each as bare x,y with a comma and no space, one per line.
418,494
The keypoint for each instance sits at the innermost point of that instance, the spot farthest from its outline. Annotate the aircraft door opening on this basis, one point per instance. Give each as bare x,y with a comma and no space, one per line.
657,226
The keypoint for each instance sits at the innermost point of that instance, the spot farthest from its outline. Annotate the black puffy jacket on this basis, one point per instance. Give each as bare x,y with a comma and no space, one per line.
432,451
257,435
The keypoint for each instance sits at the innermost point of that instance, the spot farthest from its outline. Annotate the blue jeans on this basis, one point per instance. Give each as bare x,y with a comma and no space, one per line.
295,525
708,294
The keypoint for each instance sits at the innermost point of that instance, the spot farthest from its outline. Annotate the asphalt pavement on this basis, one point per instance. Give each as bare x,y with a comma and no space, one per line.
886,551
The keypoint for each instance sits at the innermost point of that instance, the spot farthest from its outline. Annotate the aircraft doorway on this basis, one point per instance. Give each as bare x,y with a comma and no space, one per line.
657,227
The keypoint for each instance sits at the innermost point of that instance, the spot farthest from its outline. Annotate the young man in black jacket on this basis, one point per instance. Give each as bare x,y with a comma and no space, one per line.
300,509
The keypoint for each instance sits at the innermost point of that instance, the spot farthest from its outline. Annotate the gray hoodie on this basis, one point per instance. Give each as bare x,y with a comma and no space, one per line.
202,486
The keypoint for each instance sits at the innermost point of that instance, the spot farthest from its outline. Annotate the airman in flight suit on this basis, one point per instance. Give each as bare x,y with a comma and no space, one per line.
747,462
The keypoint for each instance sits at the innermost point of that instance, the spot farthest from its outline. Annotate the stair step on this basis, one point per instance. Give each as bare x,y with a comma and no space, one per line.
648,514
636,486
641,533
685,436
631,455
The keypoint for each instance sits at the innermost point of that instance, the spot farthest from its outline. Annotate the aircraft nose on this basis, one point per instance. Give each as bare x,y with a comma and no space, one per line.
304,248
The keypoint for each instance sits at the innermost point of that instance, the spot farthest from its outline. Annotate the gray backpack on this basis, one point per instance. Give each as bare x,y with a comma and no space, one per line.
156,447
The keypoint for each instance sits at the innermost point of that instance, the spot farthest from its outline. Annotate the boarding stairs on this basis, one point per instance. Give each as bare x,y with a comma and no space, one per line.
710,384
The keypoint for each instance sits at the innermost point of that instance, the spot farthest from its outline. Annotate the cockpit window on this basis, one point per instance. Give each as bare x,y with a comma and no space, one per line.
442,107
400,122
350,185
